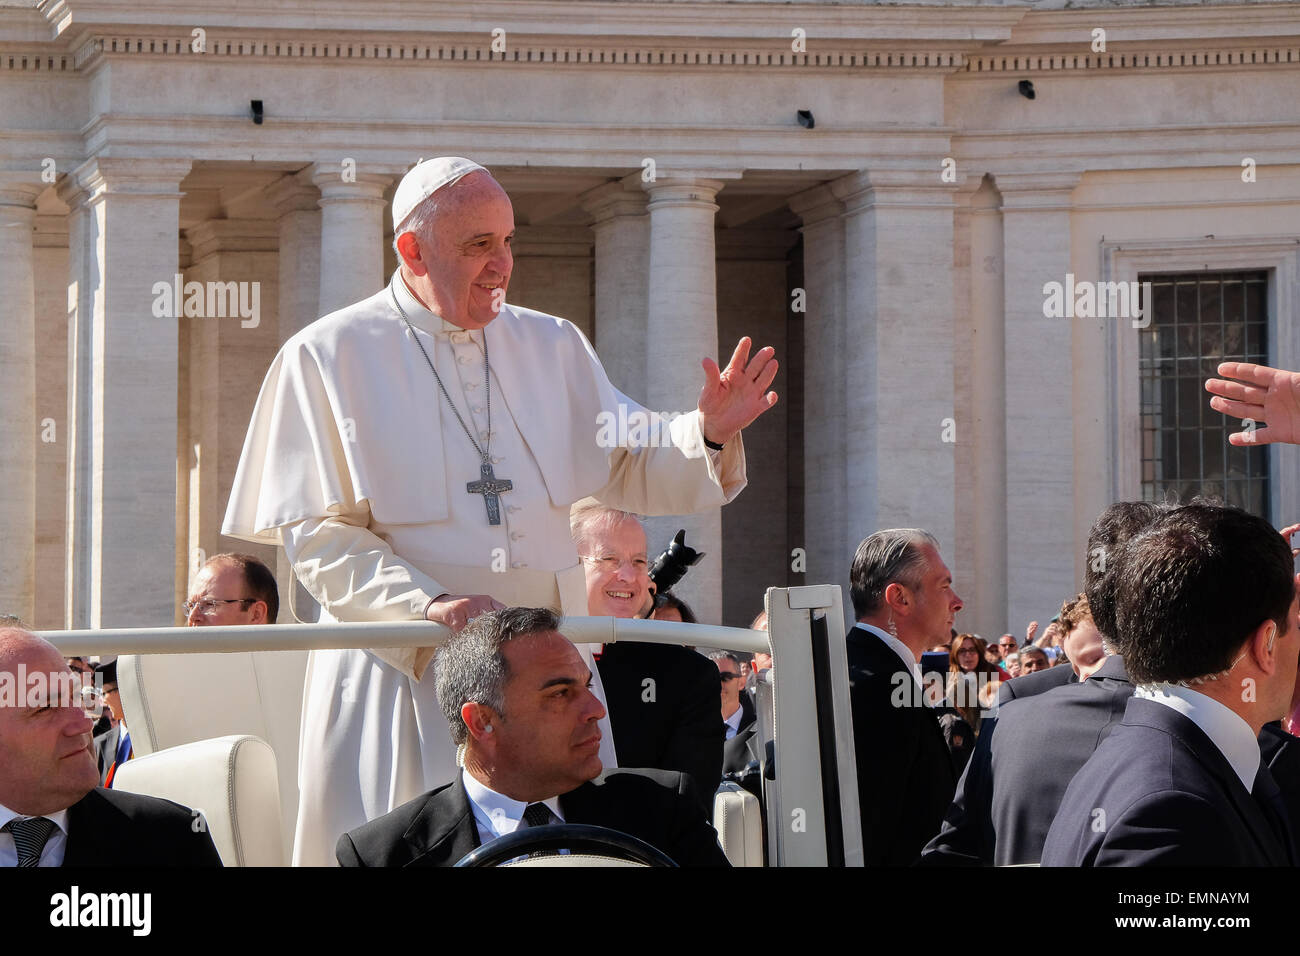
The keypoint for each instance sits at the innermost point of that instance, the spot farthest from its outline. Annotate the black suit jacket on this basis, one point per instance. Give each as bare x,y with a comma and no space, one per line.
438,828
1023,761
679,727
1039,682
116,828
1159,792
1281,754
905,774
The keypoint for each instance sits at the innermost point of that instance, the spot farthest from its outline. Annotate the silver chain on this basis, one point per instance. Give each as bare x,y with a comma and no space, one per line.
487,384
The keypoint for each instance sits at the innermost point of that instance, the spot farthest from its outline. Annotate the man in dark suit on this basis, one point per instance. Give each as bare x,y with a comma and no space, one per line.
738,716
1023,761
662,699
1208,621
517,696
903,597
51,811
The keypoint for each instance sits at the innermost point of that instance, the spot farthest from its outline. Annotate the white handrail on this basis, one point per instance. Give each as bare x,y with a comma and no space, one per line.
297,637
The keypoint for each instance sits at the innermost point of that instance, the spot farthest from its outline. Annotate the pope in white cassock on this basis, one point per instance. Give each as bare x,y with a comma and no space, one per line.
416,454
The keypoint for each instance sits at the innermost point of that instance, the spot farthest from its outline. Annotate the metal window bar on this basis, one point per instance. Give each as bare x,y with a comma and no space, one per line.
1197,321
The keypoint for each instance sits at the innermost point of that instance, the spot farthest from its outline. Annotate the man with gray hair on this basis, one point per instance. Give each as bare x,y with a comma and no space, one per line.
517,698
416,454
904,602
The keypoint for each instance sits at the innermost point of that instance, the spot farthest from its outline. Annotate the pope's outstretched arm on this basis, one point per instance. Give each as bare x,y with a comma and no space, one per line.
647,477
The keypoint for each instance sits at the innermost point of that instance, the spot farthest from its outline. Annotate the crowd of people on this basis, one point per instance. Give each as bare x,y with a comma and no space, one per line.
1145,725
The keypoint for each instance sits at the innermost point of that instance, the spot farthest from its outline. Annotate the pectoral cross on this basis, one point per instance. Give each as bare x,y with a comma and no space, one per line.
490,486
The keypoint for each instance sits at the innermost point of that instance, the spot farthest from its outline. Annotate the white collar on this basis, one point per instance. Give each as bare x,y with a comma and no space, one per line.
421,317
898,647
734,720
495,811
60,818
1226,730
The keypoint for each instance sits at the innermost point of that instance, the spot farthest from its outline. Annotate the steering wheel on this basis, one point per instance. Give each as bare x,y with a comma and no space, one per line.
567,836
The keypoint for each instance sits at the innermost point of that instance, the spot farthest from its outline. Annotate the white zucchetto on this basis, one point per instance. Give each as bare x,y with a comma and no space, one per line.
426,179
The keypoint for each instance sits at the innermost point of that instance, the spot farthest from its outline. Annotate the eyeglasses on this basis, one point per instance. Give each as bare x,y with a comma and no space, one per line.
208,606
92,702
968,650
87,698
611,563
727,675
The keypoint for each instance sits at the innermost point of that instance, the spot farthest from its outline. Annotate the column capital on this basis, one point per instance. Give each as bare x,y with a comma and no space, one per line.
294,193
683,191
816,205
612,200
892,187
363,183
101,175
1037,192
232,235
21,188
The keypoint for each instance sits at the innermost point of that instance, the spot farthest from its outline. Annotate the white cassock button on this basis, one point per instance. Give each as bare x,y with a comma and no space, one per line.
460,338
462,359
477,409
471,384
516,535
519,564
496,460
510,509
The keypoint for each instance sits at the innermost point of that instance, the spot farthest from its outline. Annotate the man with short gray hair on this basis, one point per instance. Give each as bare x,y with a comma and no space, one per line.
904,601
518,701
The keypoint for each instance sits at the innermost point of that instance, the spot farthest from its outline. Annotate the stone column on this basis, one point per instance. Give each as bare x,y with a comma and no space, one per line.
622,231
297,201
122,394
18,433
829,539
352,234
552,272
51,417
297,204
898,353
1041,550
681,329
228,359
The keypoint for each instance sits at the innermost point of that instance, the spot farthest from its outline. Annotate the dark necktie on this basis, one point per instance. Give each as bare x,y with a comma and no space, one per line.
1268,797
30,837
538,815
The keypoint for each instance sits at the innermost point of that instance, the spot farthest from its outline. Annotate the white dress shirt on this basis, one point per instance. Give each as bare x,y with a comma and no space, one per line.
898,647
1226,730
496,814
55,846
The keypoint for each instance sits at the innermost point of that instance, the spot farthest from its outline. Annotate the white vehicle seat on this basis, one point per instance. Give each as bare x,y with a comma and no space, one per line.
231,780
174,699
739,822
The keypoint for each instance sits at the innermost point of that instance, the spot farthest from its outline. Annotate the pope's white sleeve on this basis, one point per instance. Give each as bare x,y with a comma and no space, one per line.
675,474
355,576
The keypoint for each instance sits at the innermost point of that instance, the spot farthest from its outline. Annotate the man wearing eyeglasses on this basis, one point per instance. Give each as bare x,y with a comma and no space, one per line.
662,698
233,589
52,813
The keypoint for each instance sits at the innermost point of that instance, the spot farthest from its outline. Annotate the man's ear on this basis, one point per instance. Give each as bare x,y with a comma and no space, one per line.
1262,646
259,610
896,598
479,718
408,248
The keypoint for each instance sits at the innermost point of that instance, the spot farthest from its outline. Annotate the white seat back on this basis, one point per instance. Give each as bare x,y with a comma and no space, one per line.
175,699
739,822
232,781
